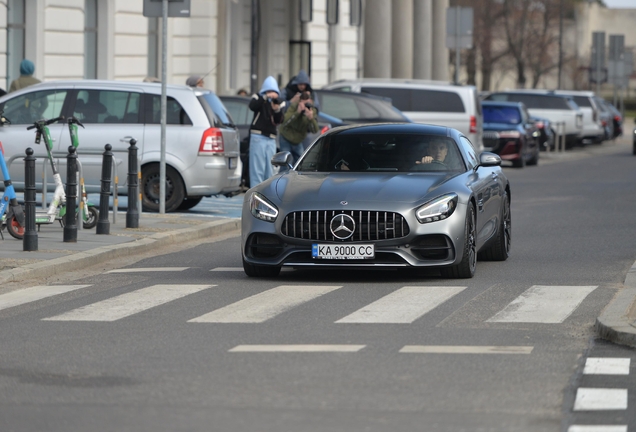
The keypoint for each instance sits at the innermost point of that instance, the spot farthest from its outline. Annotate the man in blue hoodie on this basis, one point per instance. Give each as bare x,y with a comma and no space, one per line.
267,116
26,76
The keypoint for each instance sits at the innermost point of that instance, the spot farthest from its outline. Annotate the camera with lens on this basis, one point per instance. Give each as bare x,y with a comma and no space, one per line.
276,101
308,105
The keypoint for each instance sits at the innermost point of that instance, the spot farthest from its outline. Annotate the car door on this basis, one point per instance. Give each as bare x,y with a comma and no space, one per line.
485,184
109,117
22,111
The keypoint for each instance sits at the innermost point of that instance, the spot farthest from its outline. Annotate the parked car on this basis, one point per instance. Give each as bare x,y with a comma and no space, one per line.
546,133
557,108
606,117
364,196
355,109
617,118
593,128
431,102
202,143
510,132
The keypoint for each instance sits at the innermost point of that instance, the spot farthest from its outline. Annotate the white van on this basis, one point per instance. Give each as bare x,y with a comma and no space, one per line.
423,101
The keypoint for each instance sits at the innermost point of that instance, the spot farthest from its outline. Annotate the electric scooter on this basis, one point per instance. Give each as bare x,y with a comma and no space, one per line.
14,218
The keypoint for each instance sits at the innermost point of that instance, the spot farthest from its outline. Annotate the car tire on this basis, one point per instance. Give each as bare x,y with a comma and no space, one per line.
253,270
520,162
175,191
634,150
189,202
535,159
467,266
499,250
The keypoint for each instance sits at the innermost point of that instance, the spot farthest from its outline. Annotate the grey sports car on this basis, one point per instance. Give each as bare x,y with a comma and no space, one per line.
384,195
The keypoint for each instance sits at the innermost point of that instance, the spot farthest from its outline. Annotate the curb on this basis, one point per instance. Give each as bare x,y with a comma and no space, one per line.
95,256
615,323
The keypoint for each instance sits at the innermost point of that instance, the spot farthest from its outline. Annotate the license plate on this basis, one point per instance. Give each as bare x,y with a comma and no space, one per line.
232,162
344,252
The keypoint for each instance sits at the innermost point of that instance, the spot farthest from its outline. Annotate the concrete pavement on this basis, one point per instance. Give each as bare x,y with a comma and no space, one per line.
56,257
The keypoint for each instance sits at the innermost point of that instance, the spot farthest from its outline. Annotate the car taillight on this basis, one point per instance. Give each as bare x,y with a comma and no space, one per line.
604,123
211,142
617,118
473,124
324,129
539,125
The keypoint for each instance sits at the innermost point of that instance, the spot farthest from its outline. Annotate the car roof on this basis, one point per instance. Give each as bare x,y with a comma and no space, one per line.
398,82
399,128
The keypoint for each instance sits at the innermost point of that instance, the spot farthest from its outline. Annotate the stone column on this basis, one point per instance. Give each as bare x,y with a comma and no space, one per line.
402,39
377,39
440,52
423,39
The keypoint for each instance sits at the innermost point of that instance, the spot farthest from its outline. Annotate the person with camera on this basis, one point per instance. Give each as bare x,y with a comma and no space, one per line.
267,116
300,118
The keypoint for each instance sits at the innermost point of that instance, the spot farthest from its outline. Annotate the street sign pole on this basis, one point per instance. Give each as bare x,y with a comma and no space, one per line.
164,76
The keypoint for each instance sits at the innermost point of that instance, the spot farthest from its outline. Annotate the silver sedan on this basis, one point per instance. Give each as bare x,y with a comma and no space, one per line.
386,195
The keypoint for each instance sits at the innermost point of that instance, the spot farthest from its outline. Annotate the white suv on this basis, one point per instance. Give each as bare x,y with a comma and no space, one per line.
432,102
202,143
593,129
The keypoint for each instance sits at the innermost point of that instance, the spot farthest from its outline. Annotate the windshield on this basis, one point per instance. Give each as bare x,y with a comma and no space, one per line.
507,115
357,152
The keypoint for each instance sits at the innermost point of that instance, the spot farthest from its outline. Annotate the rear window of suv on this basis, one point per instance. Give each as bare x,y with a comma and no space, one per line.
533,101
215,110
419,100
582,101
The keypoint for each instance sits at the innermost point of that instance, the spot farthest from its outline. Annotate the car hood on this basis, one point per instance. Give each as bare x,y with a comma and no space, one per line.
499,126
357,187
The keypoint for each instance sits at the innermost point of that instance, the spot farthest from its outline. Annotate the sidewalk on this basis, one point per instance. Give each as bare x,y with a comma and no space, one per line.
55,257
617,322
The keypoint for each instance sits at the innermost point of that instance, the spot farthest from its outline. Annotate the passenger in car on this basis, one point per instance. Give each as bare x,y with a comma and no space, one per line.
435,158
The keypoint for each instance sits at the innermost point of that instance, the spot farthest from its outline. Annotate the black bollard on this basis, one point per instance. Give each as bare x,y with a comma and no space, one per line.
103,225
30,239
132,213
70,218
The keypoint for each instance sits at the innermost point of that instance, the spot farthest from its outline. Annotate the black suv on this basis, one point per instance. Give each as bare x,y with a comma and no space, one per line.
510,132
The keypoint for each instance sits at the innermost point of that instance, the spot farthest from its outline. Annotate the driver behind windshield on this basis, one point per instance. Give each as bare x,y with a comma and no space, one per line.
436,153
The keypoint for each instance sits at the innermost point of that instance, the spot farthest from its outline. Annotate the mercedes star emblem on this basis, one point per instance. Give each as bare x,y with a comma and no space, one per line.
342,226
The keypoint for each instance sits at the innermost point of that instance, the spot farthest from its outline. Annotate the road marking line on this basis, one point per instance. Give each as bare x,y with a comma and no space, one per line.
297,348
149,269
543,304
403,306
28,295
129,304
261,307
459,349
606,366
597,428
597,399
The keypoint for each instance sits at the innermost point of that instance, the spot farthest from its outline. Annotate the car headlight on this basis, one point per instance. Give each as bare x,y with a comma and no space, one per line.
438,209
262,208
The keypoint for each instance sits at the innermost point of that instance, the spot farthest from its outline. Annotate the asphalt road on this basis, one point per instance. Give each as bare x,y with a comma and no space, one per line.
199,346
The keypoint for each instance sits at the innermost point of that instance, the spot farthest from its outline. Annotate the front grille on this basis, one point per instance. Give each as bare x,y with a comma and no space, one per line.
490,135
370,225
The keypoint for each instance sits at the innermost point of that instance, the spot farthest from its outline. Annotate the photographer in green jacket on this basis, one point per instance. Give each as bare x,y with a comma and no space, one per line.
299,119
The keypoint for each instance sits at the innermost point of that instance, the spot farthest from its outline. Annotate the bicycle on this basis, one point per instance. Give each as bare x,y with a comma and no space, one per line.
14,218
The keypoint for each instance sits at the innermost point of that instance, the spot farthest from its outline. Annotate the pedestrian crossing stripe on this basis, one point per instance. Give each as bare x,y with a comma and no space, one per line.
403,306
128,304
298,348
543,304
28,295
597,428
606,366
266,305
600,399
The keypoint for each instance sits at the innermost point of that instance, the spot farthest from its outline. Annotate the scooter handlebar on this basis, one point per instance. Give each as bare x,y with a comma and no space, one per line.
38,124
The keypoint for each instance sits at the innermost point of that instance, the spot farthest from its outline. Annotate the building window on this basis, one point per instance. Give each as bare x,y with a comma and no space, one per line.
90,39
153,47
15,38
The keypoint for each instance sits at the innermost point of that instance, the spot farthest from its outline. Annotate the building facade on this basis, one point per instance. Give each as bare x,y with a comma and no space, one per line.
112,40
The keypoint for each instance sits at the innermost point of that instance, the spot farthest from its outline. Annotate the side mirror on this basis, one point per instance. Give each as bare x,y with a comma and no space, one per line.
487,159
282,159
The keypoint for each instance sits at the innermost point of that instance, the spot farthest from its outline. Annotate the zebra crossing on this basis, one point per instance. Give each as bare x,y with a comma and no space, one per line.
404,305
